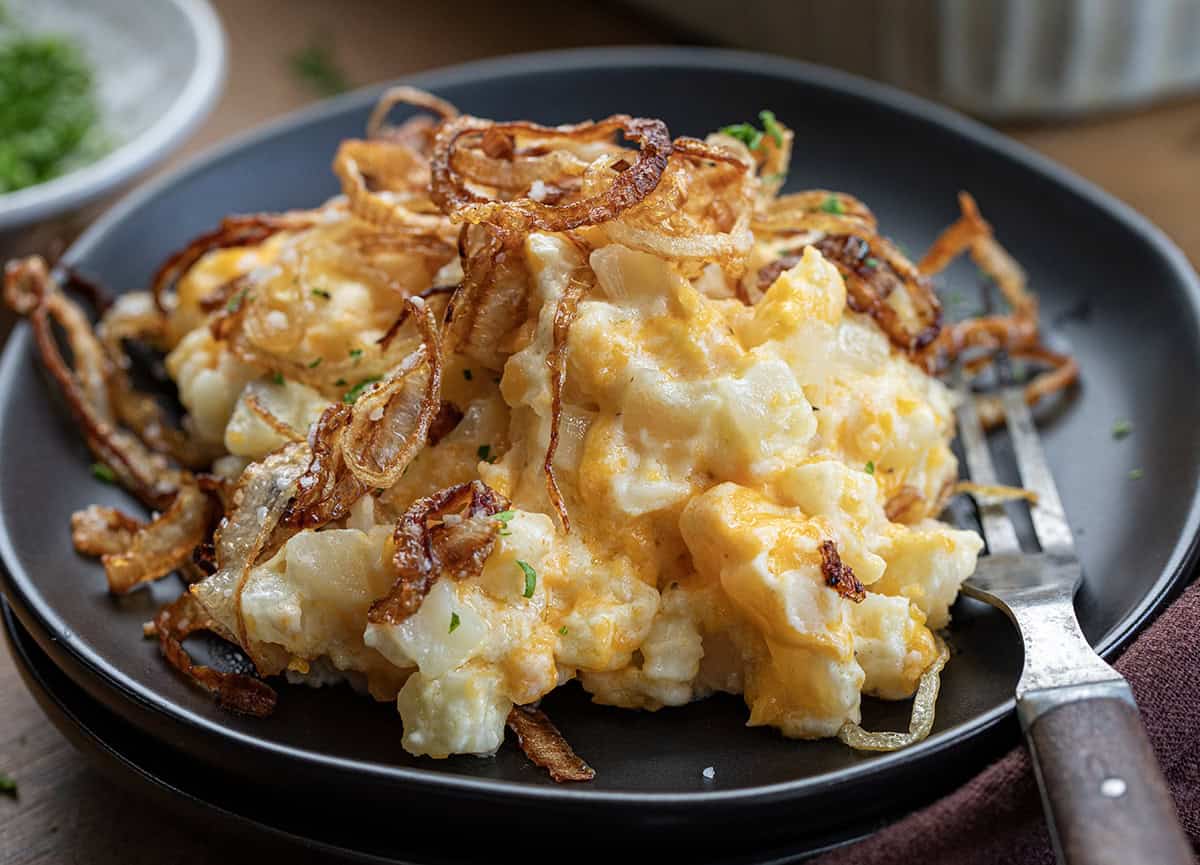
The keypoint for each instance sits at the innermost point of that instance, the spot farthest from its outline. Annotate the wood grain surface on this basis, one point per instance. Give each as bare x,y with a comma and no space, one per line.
66,813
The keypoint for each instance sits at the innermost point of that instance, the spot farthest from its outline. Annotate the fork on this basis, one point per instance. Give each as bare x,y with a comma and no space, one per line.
1104,796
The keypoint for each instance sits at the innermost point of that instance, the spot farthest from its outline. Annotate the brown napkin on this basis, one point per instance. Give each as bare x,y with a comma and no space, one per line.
997,816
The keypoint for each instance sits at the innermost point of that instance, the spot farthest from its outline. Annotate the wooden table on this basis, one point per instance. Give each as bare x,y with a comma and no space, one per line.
67,813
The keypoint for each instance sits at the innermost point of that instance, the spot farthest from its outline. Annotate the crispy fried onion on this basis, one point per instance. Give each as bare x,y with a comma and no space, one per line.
699,214
327,488
995,492
1016,334
135,317
921,723
248,230
899,508
185,615
522,214
577,286
450,533
885,285
838,575
493,296
545,746
386,185
97,530
164,545
390,421
249,533
86,385
405,95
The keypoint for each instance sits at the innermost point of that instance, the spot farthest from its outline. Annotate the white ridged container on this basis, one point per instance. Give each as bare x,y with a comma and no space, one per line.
998,58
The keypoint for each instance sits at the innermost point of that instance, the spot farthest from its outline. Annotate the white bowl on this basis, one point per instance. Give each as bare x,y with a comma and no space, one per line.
158,67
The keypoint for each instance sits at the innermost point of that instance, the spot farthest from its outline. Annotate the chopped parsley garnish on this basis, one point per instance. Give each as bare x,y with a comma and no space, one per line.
833,204
771,126
277,378
8,785
502,518
751,136
563,631
356,353
871,262
1136,474
50,119
341,382
316,363
235,303
745,133
101,472
316,67
530,578
485,452
870,467
1121,428
320,292
454,623
355,392
467,374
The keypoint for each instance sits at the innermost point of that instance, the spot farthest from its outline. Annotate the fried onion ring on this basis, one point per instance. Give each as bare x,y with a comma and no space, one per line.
545,746
525,214
425,552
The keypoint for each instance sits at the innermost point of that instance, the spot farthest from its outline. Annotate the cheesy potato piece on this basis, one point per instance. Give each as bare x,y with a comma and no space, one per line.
707,449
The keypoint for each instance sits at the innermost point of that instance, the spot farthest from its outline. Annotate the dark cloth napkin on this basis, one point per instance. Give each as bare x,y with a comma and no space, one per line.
996,817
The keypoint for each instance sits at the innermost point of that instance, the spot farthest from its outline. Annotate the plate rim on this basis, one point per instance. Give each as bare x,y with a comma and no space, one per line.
25,599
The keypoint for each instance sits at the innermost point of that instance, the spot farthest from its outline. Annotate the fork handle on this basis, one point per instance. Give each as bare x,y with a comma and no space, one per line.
1105,797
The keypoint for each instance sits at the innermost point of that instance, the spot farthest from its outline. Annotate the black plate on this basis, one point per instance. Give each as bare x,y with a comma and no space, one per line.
300,827
1110,284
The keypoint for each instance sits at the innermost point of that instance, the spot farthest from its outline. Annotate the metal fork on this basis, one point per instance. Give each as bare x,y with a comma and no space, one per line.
1103,793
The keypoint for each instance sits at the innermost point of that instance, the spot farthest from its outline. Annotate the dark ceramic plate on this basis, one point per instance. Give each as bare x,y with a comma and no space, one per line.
1111,286
308,829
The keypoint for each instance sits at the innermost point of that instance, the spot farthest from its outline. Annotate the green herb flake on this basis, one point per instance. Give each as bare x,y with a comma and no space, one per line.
502,518
1121,428
351,396
745,133
562,632
1136,474
779,177
101,472
316,363
235,303
530,578
341,382
485,453
870,467
277,378
316,67
833,204
8,785
356,353
320,292
871,262
467,374
454,623
771,126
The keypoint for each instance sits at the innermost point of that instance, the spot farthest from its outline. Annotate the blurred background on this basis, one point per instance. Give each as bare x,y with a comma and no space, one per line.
1110,88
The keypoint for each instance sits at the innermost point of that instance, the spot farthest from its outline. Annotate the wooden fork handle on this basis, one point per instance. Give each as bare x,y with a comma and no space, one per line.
1106,800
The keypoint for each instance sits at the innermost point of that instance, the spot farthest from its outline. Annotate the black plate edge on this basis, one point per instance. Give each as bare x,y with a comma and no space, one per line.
65,705
66,647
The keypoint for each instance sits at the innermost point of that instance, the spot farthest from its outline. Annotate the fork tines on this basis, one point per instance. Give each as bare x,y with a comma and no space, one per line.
1049,520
